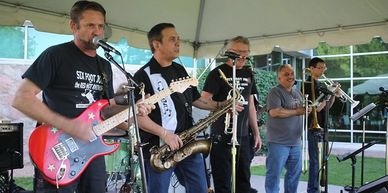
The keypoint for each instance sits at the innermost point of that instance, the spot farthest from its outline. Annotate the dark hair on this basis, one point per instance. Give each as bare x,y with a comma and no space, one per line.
156,33
80,6
313,62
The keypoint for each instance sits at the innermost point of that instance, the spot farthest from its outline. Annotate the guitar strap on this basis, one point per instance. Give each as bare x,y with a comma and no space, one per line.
105,78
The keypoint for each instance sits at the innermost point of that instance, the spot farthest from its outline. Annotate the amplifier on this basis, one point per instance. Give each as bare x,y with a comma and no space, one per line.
11,146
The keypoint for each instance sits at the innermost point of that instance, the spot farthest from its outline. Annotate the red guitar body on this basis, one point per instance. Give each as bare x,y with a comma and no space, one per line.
62,158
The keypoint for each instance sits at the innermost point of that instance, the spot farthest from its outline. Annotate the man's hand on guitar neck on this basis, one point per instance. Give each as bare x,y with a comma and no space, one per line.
144,108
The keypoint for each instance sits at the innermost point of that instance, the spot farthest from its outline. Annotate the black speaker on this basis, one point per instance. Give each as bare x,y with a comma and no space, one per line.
11,146
377,186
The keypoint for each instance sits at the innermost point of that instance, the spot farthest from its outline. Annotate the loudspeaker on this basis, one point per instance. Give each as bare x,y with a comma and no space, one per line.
11,146
377,186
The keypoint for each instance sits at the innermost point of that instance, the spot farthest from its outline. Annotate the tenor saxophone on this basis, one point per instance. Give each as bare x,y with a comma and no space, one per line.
162,158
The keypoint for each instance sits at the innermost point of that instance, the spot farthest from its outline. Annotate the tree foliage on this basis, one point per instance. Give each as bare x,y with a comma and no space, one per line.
12,42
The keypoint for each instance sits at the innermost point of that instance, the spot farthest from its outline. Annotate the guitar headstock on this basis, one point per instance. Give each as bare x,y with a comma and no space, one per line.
182,84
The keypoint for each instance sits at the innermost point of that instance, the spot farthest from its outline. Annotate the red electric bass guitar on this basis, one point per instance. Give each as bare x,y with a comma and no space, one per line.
62,158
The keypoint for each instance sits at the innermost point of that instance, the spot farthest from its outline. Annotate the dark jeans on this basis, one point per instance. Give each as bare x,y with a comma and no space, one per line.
314,137
221,162
92,180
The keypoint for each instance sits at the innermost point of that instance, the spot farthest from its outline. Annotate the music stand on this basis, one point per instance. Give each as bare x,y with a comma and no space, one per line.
362,113
353,157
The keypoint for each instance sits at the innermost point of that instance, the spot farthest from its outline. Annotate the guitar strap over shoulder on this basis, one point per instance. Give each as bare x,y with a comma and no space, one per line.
105,78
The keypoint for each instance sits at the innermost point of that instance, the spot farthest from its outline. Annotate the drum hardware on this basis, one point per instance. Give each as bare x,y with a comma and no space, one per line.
117,163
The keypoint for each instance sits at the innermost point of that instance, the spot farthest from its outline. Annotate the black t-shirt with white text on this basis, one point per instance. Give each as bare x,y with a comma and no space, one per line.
245,84
69,79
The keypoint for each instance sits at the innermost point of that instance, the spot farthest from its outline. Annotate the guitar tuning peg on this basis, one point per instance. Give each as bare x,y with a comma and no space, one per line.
180,79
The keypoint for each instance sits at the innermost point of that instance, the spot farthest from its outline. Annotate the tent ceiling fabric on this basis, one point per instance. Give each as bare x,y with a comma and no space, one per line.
292,25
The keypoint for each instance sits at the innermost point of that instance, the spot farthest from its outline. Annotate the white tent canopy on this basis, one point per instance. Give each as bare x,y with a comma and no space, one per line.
371,86
204,25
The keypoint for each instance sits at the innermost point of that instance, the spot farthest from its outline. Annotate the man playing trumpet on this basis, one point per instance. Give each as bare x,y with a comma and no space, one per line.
316,68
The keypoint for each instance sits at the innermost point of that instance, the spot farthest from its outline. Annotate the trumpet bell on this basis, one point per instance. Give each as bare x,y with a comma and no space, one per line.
355,103
334,88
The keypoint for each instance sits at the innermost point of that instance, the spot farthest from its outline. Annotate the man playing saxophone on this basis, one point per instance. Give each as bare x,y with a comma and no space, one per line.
172,115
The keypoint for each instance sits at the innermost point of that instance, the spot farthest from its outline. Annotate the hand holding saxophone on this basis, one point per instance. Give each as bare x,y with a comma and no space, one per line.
171,139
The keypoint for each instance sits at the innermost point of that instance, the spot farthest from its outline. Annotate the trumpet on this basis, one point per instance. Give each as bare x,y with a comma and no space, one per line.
331,86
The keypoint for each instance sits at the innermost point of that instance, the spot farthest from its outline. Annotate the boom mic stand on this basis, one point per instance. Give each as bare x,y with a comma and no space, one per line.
132,83
352,155
233,57
325,138
325,148
386,139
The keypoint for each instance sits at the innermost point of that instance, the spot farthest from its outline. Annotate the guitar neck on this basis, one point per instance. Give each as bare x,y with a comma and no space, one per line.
115,120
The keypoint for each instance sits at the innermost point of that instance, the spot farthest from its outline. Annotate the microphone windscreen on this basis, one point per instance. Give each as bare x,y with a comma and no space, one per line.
96,39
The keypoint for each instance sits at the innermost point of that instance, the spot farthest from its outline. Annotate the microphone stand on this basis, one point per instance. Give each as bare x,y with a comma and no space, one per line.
386,141
132,83
325,149
352,156
234,126
364,118
325,140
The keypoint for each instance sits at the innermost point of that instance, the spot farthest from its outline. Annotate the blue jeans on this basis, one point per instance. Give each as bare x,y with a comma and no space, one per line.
280,156
314,137
190,173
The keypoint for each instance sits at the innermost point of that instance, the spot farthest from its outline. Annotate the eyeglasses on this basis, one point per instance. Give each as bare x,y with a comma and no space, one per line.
321,68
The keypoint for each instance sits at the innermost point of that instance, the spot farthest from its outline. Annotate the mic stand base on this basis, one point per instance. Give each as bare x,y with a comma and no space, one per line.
352,189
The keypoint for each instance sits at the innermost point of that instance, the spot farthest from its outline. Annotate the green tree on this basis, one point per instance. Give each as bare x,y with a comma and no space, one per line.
371,65
12,46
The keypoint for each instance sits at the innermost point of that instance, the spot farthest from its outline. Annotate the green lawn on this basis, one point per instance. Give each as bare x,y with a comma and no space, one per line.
340,173
25,182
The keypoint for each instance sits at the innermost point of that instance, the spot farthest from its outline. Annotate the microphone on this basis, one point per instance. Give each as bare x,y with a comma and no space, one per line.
121,99
231,55
98,41
383,90
363,111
